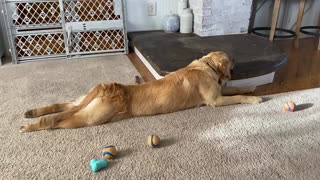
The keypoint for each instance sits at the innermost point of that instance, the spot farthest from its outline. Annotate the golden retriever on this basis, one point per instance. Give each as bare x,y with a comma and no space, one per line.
197,84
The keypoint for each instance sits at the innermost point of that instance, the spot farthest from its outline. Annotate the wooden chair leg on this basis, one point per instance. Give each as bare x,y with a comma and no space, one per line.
299,22
275,15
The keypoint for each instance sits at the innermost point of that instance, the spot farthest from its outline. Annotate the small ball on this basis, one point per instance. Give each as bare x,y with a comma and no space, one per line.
153,141
109,152
289,106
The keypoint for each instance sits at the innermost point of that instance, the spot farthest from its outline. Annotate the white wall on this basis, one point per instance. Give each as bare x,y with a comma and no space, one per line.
137,14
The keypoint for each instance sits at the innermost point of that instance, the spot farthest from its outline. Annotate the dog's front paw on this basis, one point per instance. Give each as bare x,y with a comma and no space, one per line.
24,128
29,114
256,100
250,89
253,100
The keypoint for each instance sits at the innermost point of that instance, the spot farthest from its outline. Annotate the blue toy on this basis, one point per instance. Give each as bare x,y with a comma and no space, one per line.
98,164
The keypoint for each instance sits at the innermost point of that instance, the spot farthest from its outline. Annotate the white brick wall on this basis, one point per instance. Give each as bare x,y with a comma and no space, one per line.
220,17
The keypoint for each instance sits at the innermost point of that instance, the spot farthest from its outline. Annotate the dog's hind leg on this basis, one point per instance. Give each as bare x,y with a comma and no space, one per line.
53,108
98,111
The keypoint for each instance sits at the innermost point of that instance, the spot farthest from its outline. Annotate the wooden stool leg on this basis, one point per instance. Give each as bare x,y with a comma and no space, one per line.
299,21
275,15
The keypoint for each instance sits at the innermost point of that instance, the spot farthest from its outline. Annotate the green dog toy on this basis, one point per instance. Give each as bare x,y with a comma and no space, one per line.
98,164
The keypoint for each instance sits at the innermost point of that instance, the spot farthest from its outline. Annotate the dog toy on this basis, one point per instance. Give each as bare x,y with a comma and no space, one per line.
289,106
98,164
153,141
109,152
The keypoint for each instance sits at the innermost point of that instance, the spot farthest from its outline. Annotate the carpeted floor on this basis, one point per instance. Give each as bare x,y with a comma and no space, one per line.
235,142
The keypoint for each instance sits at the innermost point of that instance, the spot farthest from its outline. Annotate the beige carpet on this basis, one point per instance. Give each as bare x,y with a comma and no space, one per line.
235,142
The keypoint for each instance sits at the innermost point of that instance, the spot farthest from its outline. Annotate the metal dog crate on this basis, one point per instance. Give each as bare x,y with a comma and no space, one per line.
43,29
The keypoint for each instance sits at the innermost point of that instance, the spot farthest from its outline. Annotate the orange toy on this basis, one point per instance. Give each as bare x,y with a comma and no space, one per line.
153,141
289,106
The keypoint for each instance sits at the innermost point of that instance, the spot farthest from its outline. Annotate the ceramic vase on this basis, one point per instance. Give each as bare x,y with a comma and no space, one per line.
186,19
171,23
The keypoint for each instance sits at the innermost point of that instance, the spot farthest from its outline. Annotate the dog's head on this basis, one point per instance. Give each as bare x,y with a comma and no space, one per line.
220,62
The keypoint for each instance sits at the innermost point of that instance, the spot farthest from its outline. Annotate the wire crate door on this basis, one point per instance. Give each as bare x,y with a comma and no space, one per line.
94,26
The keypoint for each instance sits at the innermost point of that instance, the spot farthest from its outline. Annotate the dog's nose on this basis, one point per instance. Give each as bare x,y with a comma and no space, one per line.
231,71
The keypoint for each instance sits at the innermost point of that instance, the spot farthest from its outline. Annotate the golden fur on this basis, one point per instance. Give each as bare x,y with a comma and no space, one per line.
195,85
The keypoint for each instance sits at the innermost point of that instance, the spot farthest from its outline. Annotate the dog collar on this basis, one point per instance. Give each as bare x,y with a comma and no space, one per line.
214,70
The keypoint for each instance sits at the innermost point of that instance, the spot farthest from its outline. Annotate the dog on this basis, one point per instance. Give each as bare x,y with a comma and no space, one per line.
197,84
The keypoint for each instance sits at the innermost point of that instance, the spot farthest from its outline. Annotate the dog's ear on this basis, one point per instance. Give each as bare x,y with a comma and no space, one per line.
223,65
223,69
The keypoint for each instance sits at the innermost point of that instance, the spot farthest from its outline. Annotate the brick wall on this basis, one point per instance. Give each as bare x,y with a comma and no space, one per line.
220,17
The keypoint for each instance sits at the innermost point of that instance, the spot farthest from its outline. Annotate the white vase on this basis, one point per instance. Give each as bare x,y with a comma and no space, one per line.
170,23
186,19
182,4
